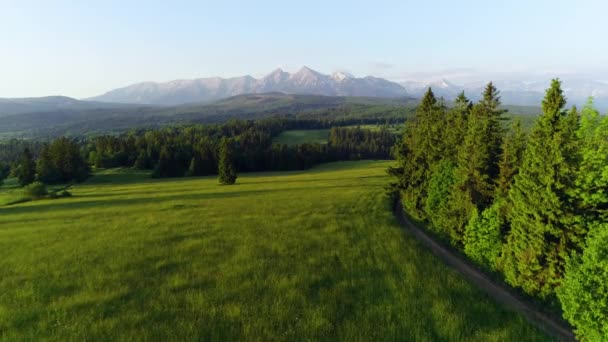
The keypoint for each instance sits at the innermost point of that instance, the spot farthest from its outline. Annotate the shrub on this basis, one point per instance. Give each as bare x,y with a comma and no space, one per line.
36,190
584,290
482,236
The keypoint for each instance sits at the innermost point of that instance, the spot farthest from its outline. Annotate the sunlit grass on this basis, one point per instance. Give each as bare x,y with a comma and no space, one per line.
314,255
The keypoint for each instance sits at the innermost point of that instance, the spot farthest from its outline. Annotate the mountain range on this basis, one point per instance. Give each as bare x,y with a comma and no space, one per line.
310,82
304,82
516,92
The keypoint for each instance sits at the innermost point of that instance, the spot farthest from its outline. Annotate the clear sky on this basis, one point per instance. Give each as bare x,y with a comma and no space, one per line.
84,48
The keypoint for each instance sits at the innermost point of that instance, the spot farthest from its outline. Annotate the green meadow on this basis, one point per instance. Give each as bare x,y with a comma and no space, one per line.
293,256
302,136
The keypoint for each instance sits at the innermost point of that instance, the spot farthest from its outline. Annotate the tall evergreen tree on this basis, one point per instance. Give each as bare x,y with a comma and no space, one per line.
456,125
513,147
226,169
591,191
542,232
26,169
421,147
196,167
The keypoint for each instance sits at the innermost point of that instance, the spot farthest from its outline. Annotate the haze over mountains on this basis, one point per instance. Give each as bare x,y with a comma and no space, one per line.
305,82
310,82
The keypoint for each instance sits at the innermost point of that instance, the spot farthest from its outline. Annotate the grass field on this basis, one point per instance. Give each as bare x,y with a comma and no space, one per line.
297,256
295,137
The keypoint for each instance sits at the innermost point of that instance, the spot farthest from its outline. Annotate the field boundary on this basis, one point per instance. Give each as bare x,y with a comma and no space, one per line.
497,291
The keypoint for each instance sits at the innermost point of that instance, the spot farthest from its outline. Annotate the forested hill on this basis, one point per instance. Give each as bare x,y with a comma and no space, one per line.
73,120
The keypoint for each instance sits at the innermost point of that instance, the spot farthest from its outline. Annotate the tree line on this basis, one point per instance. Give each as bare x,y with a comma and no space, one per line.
198,150
532,207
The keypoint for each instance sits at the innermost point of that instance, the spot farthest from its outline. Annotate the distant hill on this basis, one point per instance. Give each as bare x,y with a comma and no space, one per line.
10,106
252,106
304,82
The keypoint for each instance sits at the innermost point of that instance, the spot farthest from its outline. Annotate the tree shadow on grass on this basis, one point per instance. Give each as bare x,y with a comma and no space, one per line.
74,205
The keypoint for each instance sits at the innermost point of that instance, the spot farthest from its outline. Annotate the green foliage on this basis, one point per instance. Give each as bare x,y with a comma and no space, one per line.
143,161
584,292
296,137
437,206
226,169
421,147
456,126
26,169
35,190
61,161
284,256
591,189
543,232
513,147
4,172
483,235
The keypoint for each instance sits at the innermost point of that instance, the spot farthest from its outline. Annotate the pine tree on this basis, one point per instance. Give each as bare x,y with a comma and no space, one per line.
143,160
46,172
542,232
421,147
513,147
226,169
591,190
196,167
456,125
490,102
164,168
26,169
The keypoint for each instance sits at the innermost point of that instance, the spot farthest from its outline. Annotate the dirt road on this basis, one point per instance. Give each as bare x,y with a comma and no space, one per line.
552,326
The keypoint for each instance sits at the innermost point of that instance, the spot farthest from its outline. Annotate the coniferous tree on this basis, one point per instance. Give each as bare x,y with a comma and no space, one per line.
46,172
437,205
143,161
26,169
226,169
543,232
165,166
421,147
591,190
196,167
513,147
4,171
456,125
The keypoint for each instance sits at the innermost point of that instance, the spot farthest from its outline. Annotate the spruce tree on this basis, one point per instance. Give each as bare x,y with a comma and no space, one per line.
591,190
165,166
226,169
513,147
542,232
456,125
46,172
196,167
26,169
421,147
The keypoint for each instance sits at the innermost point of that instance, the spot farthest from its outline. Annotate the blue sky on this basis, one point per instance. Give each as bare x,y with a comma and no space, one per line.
83,48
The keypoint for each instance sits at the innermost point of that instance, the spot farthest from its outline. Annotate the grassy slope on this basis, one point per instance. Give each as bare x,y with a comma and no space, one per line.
294,137
279,256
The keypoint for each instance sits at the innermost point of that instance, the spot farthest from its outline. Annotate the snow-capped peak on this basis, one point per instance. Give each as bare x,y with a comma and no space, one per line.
340,75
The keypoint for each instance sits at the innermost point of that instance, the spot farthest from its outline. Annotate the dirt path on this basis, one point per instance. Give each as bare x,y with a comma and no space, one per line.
500,293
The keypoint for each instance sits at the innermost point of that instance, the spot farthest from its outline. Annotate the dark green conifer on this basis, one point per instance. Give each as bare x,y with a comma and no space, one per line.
226,169
26,169
513,147
543,232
